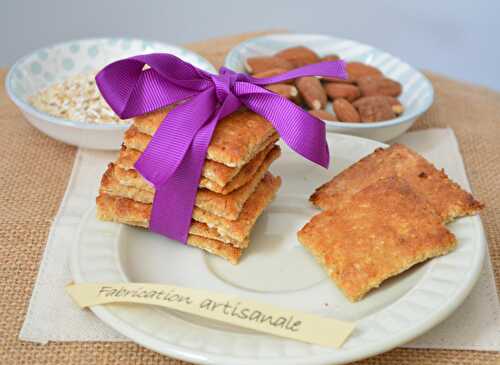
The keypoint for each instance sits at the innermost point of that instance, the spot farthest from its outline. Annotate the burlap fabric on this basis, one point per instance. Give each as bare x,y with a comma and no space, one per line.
35,170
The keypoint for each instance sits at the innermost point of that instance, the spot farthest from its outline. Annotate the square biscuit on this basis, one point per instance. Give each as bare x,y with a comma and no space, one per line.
131,178
111,185
446,197
127,158
228,252
382,230
202,230
223,182
236,139
134,139
227,206
150,122
127,211
122,210
229,177
239,229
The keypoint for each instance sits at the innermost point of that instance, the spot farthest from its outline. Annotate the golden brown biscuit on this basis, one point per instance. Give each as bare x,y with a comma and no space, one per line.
232,180
221,174
227,206
445,196
228,252
127,157
136,140
202,230
122,210
149,123
133,139
128,211
132,178
236,139
240,229
243,175
384,229
111,185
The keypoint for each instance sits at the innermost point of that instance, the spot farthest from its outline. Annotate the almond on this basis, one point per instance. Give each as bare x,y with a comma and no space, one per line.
273,72
338,81
368,85
357,70
374,108
371,86
389,87
312,92
396,105
287,91
345,91
345,111
323,115
255,65
330,57
298,56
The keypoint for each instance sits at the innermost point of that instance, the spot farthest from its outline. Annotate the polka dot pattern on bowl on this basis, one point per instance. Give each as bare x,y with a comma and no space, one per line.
58,62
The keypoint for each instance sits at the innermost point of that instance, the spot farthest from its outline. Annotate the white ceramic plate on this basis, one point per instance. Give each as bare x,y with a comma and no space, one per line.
417,93
278,270
49,65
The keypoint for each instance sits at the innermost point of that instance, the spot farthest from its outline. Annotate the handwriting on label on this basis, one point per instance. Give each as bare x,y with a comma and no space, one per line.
261,317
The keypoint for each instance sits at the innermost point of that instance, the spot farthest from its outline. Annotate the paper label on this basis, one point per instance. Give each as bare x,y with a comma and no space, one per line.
261,317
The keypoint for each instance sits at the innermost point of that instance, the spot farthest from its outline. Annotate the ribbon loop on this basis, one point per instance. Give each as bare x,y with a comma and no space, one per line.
174,158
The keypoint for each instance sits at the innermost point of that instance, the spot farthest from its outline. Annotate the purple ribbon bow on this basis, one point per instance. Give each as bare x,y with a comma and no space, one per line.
174,158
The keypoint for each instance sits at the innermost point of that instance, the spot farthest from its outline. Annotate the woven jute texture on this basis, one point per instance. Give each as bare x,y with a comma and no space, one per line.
34,172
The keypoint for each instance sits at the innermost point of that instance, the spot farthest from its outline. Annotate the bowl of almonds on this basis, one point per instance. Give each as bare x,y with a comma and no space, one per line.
55,89
381,98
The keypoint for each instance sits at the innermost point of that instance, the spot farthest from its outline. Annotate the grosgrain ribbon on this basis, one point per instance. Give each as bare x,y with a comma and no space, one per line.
173,160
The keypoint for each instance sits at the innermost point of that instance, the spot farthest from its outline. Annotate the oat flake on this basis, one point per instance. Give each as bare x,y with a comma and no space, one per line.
76,98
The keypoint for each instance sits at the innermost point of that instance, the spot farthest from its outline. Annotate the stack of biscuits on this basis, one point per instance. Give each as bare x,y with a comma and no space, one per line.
234,189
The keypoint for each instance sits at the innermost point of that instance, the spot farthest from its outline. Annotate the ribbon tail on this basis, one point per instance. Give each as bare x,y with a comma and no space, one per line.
174,200
302,132
335,69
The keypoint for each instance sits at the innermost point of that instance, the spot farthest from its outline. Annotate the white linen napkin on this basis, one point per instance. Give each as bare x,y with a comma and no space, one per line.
52,316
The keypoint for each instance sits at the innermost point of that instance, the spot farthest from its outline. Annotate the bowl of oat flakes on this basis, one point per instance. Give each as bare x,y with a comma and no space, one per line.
54,87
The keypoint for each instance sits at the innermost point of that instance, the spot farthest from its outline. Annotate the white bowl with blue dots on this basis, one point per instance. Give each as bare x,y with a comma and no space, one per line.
417,95
53,64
